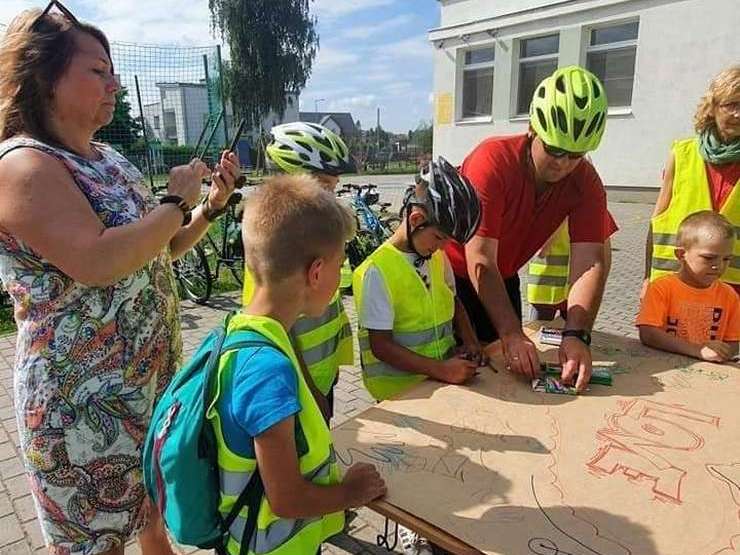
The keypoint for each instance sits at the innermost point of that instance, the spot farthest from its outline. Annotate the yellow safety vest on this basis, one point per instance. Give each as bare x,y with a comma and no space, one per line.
547,281
345,281
690,194
324,342
423,317
274,535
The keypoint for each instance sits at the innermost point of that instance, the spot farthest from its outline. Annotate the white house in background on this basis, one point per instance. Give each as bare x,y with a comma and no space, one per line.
182,111
655,57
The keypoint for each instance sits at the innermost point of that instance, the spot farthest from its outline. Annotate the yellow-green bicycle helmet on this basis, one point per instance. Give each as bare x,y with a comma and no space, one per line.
301,147
568,110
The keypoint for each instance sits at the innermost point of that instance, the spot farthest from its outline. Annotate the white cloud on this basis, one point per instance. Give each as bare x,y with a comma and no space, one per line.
366,31
330,58
414,47
332,9
359,101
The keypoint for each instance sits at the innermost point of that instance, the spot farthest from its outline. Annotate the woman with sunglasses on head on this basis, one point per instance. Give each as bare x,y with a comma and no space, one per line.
528,185
702,173
86,254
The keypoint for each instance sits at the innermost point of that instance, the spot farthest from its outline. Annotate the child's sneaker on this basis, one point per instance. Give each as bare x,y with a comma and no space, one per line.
412,543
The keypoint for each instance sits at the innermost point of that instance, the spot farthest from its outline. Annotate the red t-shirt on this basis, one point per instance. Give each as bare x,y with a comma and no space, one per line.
722,179
498,169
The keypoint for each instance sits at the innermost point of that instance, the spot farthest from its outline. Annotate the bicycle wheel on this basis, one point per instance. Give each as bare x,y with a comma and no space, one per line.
194,275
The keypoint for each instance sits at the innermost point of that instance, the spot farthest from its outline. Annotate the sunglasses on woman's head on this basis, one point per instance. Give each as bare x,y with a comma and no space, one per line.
556,152
62,9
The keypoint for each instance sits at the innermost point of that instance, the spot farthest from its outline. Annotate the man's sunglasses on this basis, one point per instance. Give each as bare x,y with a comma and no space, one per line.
62,9
556,152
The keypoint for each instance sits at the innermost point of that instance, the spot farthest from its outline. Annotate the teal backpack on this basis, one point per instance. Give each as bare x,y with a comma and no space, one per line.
180,455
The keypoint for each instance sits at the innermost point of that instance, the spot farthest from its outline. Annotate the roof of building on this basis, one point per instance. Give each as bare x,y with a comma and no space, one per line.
344,120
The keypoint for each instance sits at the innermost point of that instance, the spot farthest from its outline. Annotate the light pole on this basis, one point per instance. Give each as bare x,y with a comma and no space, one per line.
316,103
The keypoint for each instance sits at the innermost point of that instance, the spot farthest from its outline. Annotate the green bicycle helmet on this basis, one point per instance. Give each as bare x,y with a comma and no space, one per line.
301,147
568,110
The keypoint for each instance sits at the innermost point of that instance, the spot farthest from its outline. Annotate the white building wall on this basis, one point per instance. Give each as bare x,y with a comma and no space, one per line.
195,112
681,45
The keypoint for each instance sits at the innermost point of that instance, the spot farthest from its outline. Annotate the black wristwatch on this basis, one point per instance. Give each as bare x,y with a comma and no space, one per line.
209,214
583,335
181,204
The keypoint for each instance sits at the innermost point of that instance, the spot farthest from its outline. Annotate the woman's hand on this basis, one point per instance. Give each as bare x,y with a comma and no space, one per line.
224,178
185,181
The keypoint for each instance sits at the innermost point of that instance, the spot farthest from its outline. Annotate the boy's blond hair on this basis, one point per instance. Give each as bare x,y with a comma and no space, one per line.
289,222
703,224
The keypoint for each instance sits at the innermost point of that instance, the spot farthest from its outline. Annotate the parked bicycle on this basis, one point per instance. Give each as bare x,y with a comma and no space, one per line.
222,247
375,223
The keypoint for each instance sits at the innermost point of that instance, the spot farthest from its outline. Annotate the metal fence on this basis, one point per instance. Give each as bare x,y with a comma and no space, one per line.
170,97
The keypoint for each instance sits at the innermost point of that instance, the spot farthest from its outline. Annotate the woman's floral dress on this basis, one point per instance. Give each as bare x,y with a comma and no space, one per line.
90,362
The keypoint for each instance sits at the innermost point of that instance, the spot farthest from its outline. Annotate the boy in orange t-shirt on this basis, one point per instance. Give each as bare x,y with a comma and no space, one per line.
692,312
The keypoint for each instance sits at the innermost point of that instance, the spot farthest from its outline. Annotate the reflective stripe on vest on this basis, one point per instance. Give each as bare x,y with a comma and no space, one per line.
547,276
275,535
690,194
325,342
283,530
422,317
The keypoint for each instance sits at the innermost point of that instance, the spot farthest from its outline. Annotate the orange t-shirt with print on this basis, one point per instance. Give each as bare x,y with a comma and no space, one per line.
692,314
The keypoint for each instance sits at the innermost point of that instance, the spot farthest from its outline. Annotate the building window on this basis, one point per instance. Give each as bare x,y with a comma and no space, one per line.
611,56
170,124
156,122
538,58
477,83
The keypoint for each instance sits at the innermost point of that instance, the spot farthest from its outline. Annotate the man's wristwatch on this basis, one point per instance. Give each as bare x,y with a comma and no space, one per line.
583,335
181,204
208,213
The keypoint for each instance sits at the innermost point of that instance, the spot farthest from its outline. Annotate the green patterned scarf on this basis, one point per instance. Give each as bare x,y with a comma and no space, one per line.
715,151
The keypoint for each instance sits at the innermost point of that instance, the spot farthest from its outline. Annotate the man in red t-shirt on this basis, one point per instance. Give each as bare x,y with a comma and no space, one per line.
528,184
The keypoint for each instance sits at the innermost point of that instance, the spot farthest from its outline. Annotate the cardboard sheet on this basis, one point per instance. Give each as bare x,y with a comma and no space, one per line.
648,466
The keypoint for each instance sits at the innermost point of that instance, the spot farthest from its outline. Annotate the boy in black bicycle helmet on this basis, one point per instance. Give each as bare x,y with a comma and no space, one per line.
409,318
449,203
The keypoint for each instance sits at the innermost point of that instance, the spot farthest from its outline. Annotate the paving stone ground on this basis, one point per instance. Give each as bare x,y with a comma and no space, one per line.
19,530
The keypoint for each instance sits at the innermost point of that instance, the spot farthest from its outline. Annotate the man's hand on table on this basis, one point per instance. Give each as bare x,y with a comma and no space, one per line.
520,354
575,356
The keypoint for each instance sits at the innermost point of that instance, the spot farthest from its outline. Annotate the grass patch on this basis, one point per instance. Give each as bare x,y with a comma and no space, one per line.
7,323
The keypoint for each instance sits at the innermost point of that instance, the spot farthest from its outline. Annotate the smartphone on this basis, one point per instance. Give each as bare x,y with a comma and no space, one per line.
241,180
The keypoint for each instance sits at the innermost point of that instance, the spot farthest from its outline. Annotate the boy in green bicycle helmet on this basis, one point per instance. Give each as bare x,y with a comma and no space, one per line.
528,185
302,147
323,343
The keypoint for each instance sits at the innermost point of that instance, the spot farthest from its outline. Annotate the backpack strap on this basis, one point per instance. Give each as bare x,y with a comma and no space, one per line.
251,495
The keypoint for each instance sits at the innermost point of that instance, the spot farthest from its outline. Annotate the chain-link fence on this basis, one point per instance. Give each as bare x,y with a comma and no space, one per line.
171,100
169,103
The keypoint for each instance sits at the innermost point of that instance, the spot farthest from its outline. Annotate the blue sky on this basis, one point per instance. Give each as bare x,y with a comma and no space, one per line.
374,53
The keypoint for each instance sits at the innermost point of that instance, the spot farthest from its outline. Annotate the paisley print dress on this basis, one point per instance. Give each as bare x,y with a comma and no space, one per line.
90,362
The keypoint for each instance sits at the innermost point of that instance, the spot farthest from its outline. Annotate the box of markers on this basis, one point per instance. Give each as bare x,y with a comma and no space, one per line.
550,336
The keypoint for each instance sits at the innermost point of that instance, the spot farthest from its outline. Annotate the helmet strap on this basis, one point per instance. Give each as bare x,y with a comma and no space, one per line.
420,258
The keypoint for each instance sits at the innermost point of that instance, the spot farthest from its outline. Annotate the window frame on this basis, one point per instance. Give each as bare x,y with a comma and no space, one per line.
528,59
474,67
609,46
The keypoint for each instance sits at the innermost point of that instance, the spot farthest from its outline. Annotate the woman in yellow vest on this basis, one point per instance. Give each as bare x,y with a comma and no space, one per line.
407,309
323,343
702,173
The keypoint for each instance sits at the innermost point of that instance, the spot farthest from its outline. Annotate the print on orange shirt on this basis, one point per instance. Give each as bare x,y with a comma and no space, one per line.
695,321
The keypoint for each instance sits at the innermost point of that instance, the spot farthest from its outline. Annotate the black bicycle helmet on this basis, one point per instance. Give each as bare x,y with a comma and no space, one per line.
449,200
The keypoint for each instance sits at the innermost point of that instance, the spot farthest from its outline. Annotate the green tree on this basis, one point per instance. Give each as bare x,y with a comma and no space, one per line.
123,130
423,136
272,44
